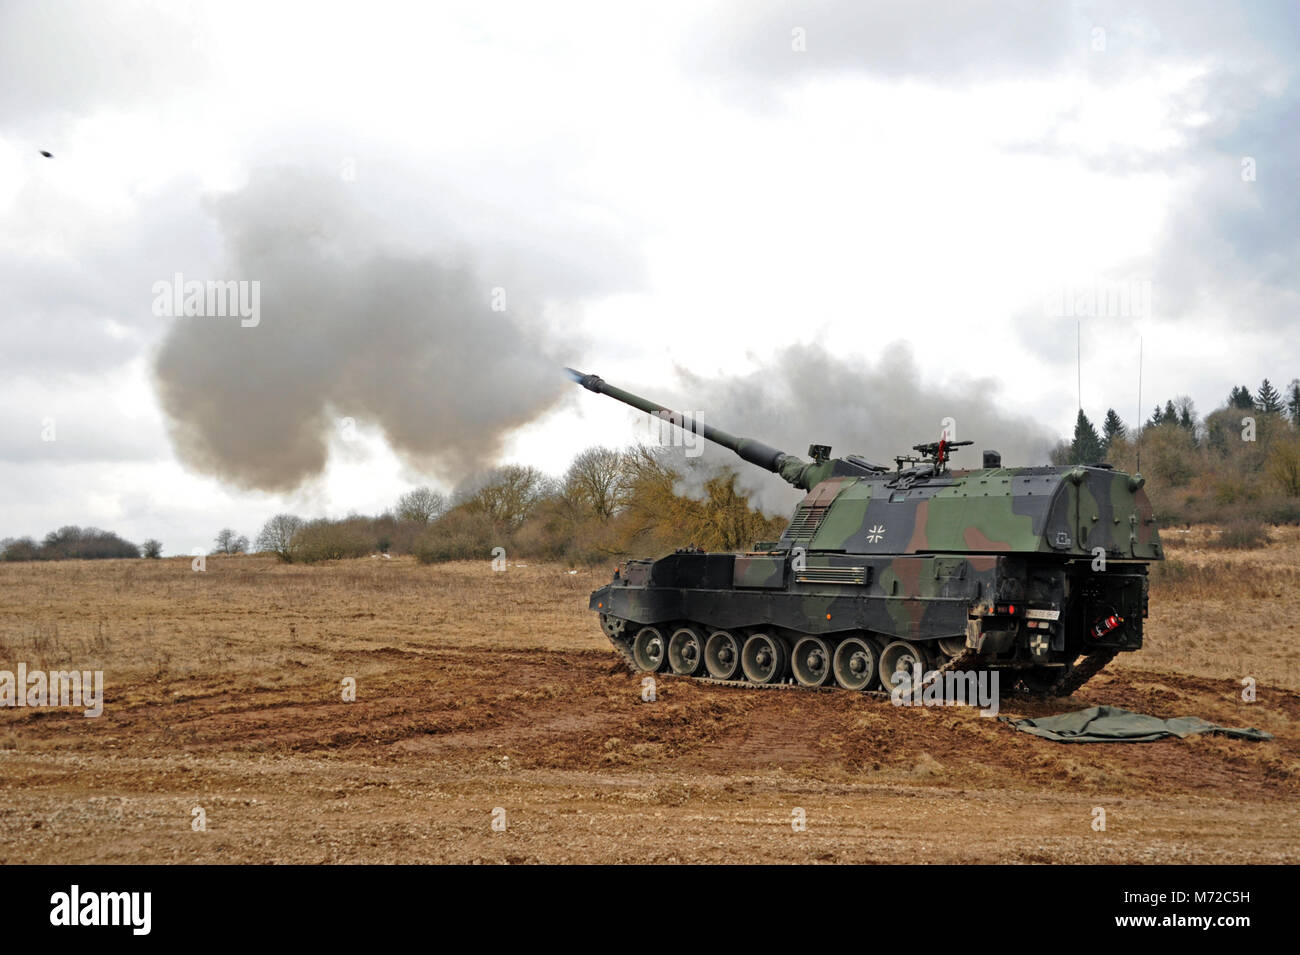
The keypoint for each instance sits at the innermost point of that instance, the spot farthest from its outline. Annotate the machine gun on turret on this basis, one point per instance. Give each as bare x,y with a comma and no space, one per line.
934,453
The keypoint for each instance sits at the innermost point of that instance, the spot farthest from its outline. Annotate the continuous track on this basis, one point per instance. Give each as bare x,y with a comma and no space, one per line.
1072,677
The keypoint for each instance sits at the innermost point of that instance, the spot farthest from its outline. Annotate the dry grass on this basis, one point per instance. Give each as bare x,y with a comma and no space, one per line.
480,690
1225,613
255,620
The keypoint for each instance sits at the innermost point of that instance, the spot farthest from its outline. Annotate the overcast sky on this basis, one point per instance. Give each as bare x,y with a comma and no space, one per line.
831,222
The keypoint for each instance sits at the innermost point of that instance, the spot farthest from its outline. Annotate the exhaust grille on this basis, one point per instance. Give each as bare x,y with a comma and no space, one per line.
833,575
806,520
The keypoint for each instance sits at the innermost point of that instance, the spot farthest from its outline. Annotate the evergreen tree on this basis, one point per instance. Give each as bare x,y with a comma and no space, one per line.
1112,427
1240,397
1171,413
1086,447
1293,401
1269,401
1157,418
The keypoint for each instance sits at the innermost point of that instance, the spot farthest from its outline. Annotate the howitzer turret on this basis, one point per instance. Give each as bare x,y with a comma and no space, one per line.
1038,573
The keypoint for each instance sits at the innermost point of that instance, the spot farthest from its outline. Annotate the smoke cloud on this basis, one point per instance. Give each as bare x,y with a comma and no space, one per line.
410,344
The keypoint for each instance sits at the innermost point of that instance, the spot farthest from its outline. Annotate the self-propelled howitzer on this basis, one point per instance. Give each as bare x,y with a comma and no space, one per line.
1038,572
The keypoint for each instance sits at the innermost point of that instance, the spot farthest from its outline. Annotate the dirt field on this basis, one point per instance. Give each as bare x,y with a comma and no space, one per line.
480,691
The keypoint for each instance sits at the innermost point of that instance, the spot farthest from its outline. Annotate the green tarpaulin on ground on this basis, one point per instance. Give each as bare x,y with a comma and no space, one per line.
1110,724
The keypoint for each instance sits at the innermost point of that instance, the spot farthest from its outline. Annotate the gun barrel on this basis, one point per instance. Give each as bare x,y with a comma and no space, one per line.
755,452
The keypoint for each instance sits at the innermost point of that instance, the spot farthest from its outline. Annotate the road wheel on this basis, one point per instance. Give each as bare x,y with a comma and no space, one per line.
722,656
854,663
764,659
901,655
951,646
649,649
686,651
811,661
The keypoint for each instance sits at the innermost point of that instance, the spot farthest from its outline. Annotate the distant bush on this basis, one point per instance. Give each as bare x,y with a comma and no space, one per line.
1241,535
1278,511
1226,492
461,534
69,543
395,535
324,539
23,548
436,550
1283,466
151,548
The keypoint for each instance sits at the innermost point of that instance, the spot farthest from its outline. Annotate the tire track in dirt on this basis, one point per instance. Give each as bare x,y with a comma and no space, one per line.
567,710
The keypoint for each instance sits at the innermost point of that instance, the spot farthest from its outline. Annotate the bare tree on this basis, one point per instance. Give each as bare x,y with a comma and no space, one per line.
507,495
278,536
596,482
1187,413
151,548
230,542
421,506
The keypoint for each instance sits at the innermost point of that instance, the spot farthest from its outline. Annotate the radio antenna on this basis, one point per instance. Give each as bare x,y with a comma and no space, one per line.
1078,357
1138,423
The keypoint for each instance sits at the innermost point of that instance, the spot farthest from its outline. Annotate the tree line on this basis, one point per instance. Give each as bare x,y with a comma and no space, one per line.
1240,461
76,543
608,503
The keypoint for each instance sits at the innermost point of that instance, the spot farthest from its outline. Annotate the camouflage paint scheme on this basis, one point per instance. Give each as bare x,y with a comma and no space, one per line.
912,559
921,554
